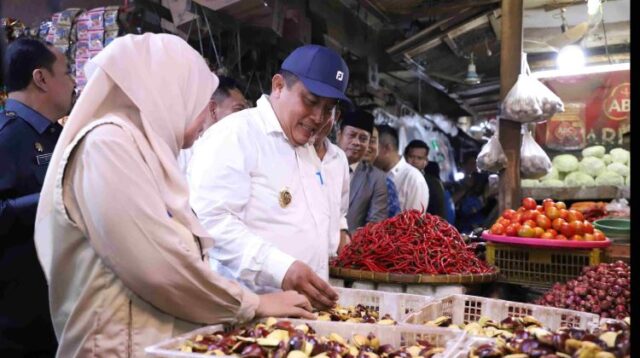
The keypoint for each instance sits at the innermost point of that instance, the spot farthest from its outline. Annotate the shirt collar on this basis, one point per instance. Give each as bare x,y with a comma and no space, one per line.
39,122
269,116
396,168
354,166
332,151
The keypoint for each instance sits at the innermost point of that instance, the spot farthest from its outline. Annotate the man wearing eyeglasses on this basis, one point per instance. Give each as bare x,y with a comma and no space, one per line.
368,188
259,196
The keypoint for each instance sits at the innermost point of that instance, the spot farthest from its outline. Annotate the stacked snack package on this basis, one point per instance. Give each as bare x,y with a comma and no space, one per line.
60,30
95,29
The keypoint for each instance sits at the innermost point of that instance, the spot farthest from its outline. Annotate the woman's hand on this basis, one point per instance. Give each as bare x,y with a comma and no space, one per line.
284,304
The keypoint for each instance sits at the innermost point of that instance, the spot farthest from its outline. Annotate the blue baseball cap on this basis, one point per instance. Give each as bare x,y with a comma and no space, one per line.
322,71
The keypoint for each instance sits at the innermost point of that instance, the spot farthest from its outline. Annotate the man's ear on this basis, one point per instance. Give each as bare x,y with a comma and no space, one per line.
39,79
277,85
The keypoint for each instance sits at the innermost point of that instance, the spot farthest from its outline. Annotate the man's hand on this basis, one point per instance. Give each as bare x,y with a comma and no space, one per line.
284,304
301,278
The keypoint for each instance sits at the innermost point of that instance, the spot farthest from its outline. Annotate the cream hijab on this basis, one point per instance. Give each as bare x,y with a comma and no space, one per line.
168,84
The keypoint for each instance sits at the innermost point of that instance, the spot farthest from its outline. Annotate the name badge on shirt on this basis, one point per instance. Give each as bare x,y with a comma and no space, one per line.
285,197
43,159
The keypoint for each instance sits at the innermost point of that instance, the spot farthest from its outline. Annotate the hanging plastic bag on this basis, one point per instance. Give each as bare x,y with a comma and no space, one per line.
534,162
529,100
492,158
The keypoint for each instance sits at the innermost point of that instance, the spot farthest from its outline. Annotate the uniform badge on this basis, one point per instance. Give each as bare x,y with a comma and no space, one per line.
285,198
39,147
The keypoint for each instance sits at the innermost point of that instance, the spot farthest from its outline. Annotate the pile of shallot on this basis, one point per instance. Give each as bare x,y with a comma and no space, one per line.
604,289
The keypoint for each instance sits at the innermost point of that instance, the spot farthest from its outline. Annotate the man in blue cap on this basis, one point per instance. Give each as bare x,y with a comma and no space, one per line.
261,200
40,92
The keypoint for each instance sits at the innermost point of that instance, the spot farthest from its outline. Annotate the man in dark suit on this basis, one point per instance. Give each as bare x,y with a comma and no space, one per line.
40,87
368,188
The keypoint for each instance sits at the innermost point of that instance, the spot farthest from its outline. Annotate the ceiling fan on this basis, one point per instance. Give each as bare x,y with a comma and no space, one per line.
571,35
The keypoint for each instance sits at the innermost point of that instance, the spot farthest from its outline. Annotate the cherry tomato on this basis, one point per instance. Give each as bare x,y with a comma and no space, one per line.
530,215
577,226
567,230
517,218
512,230
564,213
548,236
579,215
561,237
497,229
577,238
521,210
557,224
574,215
547,201
561,205
589,237
526,231
552,212
588,227
508,214
543,222
540,209
538,231
598,235
530,223
553,232
504,222
529,203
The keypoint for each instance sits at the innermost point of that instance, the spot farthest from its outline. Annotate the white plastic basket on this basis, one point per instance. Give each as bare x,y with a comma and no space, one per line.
397,305
464,309
464,348
400,335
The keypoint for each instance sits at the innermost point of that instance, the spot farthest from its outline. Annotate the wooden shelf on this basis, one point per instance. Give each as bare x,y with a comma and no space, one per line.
578,193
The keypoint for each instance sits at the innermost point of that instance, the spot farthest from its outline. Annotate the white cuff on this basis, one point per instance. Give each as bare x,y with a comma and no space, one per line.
276,265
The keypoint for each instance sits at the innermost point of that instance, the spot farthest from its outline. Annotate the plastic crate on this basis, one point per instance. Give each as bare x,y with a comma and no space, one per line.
397,305
464,309
465,347
397,336
537,267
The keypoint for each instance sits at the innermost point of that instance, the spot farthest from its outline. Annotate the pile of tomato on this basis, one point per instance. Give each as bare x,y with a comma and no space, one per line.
551,221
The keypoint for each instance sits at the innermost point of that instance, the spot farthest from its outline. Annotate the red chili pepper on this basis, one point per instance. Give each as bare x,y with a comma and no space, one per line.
412,242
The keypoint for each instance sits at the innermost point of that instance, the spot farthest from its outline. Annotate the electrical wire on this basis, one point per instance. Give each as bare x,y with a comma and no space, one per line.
604,30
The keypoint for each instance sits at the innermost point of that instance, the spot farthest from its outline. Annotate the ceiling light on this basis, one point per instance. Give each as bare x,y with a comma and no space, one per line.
570,58
472,76
593,6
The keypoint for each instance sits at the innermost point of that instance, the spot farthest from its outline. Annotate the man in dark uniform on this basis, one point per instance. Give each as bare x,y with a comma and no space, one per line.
40,88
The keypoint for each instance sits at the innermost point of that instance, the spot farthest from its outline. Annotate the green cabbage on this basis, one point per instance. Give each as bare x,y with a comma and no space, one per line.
620,155
610,178
551,183
579,179
529,183
592,166
595,151
565,163
607,159
619,168
553,174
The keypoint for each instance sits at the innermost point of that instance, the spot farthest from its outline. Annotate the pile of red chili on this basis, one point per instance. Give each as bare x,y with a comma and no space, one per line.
411,243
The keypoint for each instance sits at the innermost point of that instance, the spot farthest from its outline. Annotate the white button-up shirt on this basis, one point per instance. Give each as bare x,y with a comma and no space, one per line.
238,174
333,175
413,192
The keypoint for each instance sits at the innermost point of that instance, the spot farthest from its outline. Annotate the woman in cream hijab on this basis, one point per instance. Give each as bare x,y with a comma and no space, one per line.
122,251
